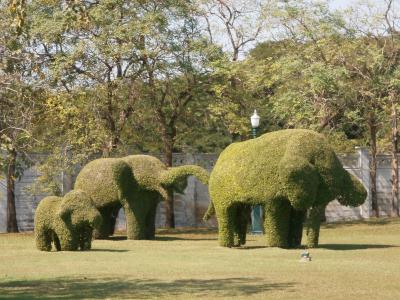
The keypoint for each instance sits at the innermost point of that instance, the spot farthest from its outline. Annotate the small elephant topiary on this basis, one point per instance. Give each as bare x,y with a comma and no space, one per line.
287,172
67,221
137,183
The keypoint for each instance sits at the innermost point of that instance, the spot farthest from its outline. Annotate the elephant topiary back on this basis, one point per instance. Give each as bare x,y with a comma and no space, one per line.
294,155
147,171
101,179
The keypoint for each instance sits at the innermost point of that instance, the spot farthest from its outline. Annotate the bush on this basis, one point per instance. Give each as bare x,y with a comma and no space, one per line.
137,183
287,172
68,222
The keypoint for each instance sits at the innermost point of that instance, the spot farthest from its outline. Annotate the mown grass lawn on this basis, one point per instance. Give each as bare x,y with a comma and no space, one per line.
354,261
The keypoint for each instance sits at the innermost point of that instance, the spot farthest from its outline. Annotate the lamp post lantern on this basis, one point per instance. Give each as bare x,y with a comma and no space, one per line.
256,212
255,122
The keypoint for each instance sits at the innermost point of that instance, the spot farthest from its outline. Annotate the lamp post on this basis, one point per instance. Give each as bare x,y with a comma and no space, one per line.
255,122
256,212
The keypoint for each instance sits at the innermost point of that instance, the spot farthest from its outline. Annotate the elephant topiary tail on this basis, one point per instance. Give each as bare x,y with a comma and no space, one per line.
210,212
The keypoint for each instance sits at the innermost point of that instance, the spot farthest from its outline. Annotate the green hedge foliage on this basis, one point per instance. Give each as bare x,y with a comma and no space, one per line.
287,172
137,183
67,222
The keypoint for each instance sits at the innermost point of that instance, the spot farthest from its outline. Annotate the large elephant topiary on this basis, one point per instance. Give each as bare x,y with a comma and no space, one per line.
287,172
68,222
137,183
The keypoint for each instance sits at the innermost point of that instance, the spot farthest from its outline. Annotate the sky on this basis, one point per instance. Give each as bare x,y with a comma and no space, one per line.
341,3
335,4
379,6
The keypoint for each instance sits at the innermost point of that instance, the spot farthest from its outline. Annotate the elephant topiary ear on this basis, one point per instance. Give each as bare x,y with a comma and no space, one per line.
176,177
64,211
353,192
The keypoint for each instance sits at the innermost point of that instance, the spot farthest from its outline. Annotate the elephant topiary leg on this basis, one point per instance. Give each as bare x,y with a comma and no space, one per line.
313,224
297,218
135,224
226,217
43,239
241,221
56,241
109,216
85,238
69,239
276,223
151,222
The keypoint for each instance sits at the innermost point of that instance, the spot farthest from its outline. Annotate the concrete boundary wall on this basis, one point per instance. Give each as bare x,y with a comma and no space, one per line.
191,206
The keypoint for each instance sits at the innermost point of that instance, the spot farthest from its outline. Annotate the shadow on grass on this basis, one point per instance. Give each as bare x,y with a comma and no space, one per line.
165,238
187,230
368,222
115,238
78,288
327,246
175,238
354,246
250,247
173,235
109,250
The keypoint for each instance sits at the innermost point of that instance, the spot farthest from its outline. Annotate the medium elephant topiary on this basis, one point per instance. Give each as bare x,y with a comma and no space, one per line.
140,183
287,172
68,222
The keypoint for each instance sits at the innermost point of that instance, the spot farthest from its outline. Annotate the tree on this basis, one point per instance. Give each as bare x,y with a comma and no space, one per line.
93,47
380,70
69,133
120,63
235,25
297,80
17,104
176,63
90,64
335,53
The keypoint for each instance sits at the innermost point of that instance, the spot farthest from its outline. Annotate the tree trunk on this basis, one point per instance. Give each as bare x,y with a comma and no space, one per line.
235,55
169,205
395,164
12,224
108,116
373,164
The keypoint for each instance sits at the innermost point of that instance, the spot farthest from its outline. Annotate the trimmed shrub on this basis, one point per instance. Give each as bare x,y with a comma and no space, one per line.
67,222
287,172
137,183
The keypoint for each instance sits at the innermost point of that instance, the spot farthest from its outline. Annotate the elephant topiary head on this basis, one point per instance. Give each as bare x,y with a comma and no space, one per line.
353,192
78,208
151,174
